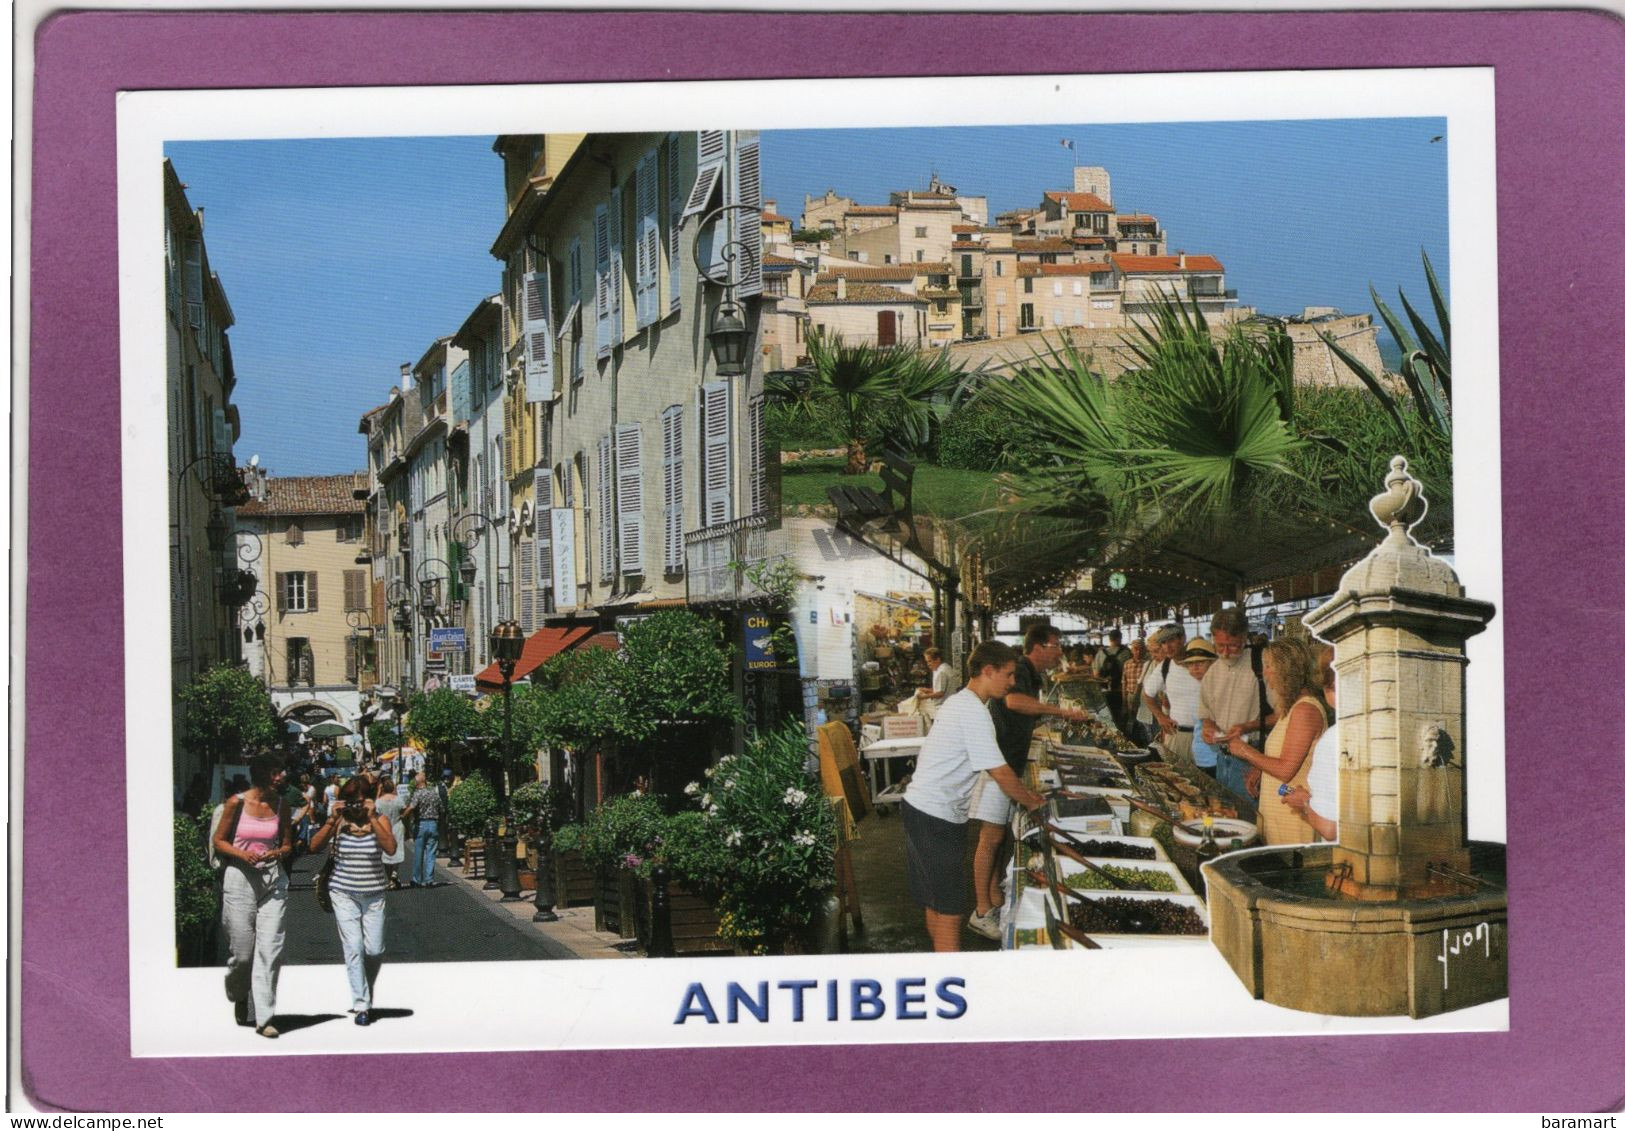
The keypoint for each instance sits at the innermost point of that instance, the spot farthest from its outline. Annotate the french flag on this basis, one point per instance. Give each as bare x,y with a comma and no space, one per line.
1066,143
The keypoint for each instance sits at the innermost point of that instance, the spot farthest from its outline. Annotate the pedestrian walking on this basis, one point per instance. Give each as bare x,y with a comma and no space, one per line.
363,837
428,805
253,839
392,806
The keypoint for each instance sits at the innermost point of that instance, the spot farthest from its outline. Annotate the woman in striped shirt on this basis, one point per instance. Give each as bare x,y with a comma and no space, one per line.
358,885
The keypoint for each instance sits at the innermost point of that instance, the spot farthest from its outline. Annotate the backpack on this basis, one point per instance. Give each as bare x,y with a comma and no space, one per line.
1111,667
215,862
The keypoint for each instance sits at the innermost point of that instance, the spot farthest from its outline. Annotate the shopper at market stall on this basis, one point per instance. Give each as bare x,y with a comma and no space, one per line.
1135,669
1014,718
1316,799
944,682
961,751
1292,672
1109,670
1172,692
1235,702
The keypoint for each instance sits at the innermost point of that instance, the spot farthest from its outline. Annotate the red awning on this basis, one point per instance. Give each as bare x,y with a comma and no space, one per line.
540,647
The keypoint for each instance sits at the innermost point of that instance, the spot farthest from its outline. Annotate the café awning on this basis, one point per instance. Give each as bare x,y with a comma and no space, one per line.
540,647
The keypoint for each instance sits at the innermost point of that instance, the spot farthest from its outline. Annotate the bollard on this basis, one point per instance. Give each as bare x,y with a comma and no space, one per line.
508,867
489,850
660,940
544,881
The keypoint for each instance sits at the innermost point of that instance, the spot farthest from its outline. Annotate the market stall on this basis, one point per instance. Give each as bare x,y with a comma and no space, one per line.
1114,859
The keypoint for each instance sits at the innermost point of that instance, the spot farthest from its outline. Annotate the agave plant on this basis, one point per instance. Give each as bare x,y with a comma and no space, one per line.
1424,365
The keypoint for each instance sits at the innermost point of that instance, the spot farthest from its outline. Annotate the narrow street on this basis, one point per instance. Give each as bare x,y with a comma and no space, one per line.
445,923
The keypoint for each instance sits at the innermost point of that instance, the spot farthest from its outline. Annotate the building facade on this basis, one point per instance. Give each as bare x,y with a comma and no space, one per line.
203,425
305,539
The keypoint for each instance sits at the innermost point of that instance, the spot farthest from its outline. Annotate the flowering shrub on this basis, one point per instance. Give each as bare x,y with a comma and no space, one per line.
774,832
623,832
472,803
540,807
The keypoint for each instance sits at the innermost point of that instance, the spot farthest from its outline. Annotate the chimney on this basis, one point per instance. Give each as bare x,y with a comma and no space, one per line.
406,376
770,206
840,288
1182,261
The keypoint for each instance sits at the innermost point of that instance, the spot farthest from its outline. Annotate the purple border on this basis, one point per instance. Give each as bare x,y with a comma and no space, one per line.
1562,249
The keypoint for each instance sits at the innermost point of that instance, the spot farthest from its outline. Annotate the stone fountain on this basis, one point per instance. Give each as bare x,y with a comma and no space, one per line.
1403,915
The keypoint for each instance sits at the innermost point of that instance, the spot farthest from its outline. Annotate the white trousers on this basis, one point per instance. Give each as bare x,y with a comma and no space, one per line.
252,907
361,930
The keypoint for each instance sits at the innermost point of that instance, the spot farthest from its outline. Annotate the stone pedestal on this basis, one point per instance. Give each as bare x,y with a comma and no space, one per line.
1400,624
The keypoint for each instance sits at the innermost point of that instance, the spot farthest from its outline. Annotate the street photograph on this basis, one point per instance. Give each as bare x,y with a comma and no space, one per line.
808,548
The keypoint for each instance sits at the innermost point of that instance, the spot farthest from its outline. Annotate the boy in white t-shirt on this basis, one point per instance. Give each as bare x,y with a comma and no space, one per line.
936,806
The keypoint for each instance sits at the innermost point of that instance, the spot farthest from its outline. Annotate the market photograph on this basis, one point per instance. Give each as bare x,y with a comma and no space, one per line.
593,546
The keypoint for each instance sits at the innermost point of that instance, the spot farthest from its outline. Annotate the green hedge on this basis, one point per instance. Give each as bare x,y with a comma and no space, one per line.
982,436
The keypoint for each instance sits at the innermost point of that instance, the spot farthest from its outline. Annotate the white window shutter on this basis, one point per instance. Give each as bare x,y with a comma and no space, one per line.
647,256
606,510
527,586
600,235
617,283
544,538
712,149
222,433
674,226
671,425
194,283
758,455
745,188
629,495
717,440
538,338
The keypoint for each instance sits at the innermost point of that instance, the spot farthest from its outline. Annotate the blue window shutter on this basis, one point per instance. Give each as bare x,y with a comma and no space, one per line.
646,258
538,339
601,281
617,280
745,189
674,225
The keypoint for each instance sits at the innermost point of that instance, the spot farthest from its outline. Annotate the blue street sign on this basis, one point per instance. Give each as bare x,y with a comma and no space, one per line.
448,640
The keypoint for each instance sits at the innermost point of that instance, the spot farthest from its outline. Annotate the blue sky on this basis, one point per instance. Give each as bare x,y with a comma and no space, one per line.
344,258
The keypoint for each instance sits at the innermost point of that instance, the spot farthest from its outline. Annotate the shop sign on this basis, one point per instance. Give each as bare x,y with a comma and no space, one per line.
461,683
759,629
448,639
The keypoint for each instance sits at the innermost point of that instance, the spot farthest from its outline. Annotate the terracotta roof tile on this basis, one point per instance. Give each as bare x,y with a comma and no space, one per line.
774,218
1062,268
1089,241
885,272
1042,245
966,228
872,210
778,261
861,293
309,494
1080,201
1164,264
1136,218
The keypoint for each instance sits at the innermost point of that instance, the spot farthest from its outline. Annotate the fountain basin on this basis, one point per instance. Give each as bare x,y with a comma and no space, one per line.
1296,944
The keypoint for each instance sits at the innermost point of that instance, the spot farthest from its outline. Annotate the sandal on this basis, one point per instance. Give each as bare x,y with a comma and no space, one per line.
268,1030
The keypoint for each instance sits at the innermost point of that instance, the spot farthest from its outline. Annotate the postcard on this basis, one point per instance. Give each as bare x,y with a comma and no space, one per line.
746,568
530,415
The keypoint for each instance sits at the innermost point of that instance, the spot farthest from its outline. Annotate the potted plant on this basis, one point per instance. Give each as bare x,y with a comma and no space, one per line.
534,811
616,838
197,894
775,829
694,858
472,802
574,880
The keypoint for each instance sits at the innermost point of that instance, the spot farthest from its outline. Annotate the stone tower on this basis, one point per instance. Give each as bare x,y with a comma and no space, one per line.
1400,623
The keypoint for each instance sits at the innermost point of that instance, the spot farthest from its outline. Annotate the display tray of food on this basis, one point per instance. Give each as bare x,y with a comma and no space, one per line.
1139,875
1097,848
1092,777
1111,918
1093,732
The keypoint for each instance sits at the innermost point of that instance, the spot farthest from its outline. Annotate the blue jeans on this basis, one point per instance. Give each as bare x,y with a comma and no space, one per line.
1233,774
423,851
361,930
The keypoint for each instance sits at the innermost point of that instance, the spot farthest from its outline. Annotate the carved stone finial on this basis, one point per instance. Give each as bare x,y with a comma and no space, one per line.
1402,505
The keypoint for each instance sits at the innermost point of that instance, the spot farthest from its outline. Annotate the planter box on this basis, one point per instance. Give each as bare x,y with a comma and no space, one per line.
693,921
573,882
474,858
613,903
527,879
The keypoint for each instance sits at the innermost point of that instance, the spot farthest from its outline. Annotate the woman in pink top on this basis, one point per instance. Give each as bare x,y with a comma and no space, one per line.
254,839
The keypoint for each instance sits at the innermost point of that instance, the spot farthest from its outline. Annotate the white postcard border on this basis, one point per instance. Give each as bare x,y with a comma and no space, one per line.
1185,990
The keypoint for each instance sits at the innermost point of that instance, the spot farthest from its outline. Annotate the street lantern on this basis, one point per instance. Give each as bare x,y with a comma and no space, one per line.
507,644
216,531
729,337
426,601
466,569
403,618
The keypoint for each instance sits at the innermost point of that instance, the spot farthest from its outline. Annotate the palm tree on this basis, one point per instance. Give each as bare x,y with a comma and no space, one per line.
860,380
898,393
1424,365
